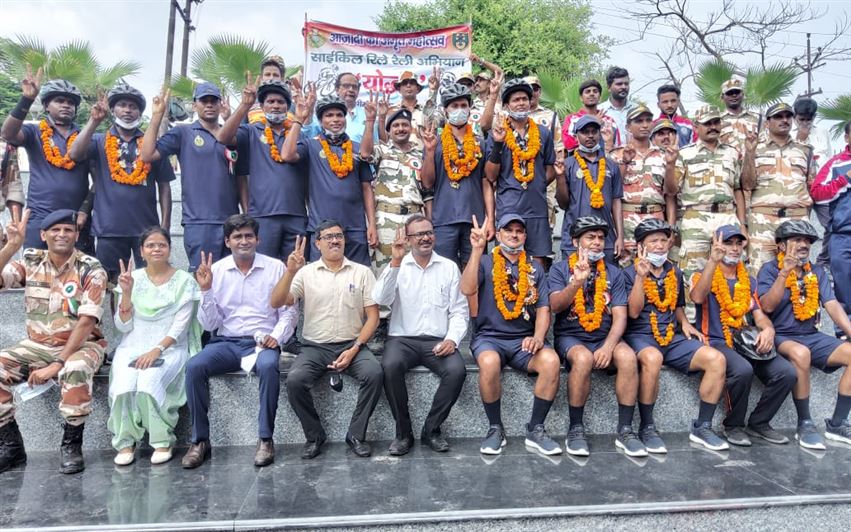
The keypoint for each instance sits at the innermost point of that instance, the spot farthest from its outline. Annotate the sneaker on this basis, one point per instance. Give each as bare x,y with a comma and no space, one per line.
840,433
808,436
538,439
704,435
651,440
629,443
494,440
767,433
737,436
576,443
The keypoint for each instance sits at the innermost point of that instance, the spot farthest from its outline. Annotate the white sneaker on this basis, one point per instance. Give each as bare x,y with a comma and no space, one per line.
161,457
125,456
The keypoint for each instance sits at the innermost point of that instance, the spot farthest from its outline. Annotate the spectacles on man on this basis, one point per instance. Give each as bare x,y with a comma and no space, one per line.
332,236
421,234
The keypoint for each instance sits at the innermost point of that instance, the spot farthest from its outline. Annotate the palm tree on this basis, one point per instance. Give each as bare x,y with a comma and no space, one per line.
562,95
763,86
838,109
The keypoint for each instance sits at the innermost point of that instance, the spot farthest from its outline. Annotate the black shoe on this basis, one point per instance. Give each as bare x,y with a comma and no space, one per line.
435,441
12,450
71,450
360,448
401,446
313,448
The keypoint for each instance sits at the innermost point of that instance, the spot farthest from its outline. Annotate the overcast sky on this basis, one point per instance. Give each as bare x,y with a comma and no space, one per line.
136,29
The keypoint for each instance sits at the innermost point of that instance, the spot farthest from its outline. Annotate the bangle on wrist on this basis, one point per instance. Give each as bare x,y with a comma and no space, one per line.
297,122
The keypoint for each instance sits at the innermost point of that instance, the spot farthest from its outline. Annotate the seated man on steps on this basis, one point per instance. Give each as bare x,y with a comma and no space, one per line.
340,316
655,304
428,320
796,318
591,339
235,306
511,327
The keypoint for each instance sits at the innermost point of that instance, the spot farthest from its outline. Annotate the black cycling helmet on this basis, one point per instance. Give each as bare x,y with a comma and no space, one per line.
59,87
588,223
650,226
456,91
276,86
791,228
330,102
515,85
124,91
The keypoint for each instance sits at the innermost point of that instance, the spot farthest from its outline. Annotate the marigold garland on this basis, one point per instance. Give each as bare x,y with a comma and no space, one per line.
119,174
596,188
341,168
51,152
503,292
733,309
273,148
803,307
458,166
590,321
519,155
668,304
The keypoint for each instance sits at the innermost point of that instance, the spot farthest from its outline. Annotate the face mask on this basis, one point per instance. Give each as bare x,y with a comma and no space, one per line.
519,115
127,125
594,256
333,137
275,118
657,259
586,149
730,261
508,249
458,117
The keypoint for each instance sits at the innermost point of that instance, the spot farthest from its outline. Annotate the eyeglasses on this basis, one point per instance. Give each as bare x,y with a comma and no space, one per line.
332,236
536,88
349,86
421,234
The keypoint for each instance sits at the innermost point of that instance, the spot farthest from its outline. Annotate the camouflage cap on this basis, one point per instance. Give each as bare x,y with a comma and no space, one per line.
468,76
485,74
663,123
407,76
637,111
732,84
777,108
706,114
532,80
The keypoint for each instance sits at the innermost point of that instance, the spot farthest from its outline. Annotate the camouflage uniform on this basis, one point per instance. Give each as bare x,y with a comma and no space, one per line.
735,128
643,190
11,187
783,177
54,299
707,181
419,115
398,194
549,119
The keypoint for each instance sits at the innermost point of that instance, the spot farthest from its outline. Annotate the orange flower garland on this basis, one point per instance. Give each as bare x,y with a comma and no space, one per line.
591,322
733,309
528,155
666,305
119,174
340,168
803,307
273,148
596,188
458,166
526,293
51,152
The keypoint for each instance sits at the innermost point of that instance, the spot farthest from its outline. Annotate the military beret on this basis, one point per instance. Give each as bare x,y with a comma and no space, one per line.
62,216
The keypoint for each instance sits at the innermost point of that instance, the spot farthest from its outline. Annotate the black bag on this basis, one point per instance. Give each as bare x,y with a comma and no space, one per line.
744,342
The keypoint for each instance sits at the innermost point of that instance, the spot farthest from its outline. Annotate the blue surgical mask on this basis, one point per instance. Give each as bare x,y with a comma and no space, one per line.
731,261
657,259
127,125
458,117
275,118
586,149
594,256
334,137
508,249
519,115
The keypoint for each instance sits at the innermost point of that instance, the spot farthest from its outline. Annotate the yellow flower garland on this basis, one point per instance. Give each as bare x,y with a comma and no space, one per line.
118,174
528,155
51,152
341,168
805,307
596,188
458,166
666,305
733,309
590,322
526,293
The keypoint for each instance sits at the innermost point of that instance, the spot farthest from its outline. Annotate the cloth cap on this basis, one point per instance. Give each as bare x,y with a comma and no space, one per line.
485,74
637,111
509,217
729,231
585,120
662,123
732,85
61,216
466,75
777,108
206,89
706,114
532,80
406,76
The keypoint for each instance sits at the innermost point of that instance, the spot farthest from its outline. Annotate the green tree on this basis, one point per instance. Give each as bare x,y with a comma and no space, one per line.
763,86
838,109
562,95
521,36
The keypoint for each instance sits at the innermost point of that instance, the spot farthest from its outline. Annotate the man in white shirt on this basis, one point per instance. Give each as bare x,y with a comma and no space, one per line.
428,319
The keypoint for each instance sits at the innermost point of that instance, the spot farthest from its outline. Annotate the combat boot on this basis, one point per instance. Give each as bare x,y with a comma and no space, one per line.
12,450
71,450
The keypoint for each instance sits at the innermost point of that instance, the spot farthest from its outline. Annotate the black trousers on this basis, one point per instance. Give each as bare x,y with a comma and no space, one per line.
401,353
311,364
776,374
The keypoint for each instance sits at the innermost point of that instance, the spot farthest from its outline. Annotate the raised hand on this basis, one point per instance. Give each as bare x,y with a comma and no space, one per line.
671,154
302,106
498,129
16,232
226,110
370,108
160,103
31,83
607,131
99,109
383,104
204,273
751,140
582,269
495,86
478,235
311,96
628,154
716,254
249,92
125,277
296,259
558,166
790,261
428,136
434,80
642,265
400,245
